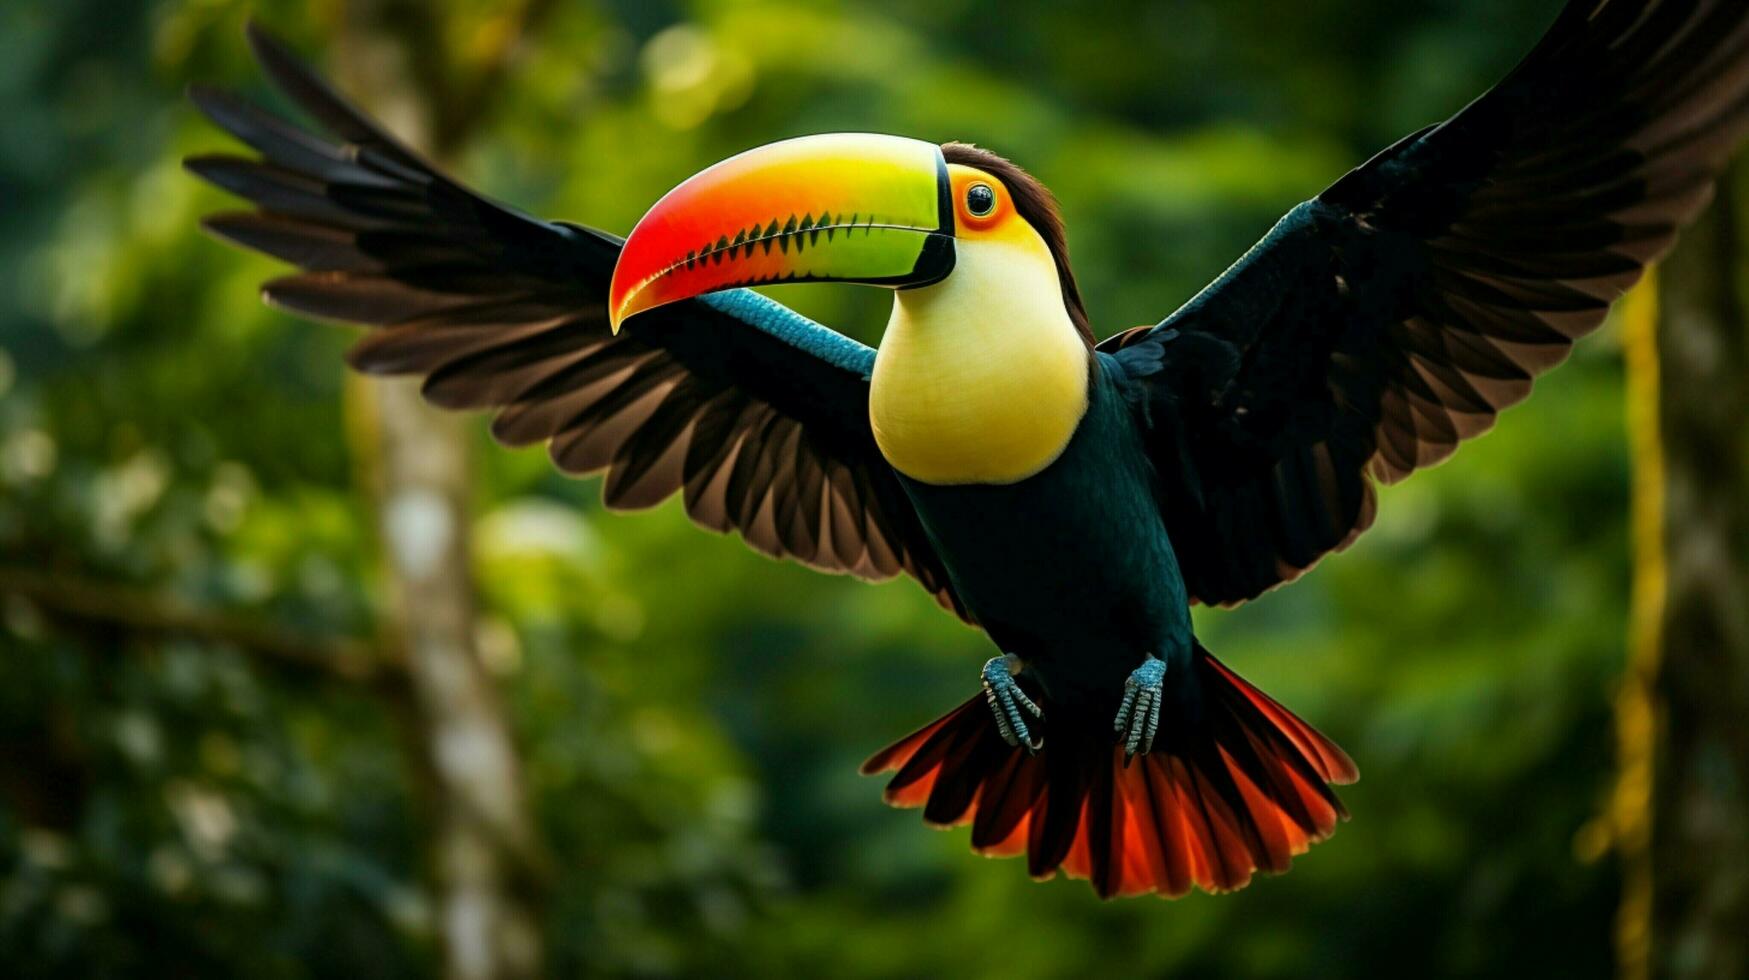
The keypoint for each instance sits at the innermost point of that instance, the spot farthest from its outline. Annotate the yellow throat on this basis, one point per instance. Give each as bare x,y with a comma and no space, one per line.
982,377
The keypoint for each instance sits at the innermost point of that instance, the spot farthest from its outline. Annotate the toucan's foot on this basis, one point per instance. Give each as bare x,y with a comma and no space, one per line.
1138,717
1006,701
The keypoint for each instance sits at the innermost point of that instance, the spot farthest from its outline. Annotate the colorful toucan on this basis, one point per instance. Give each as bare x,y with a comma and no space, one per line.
1070,497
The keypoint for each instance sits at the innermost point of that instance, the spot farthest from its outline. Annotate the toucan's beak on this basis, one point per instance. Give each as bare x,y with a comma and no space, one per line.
844,207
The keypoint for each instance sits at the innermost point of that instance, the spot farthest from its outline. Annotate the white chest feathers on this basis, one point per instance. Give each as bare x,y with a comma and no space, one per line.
982,377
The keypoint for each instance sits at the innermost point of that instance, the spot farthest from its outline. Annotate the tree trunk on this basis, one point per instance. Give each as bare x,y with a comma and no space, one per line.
415,462
1683,809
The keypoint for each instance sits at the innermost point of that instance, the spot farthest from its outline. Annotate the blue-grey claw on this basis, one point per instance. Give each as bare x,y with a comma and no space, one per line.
1006,701
1139,714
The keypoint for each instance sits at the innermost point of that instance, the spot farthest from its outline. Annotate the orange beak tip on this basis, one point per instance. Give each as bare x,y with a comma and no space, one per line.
626,307
620,306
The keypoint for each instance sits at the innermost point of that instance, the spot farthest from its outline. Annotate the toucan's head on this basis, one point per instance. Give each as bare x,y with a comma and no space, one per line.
842,207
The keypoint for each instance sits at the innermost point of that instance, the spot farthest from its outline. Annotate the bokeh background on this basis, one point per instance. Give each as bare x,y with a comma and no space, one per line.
211,761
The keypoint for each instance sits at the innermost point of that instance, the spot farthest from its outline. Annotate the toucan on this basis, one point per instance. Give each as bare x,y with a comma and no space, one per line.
1071,497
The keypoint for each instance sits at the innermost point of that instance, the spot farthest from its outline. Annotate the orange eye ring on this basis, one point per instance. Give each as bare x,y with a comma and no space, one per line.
980,204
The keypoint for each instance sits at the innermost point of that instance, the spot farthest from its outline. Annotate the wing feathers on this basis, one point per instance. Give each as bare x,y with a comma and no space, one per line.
757,415
1397,314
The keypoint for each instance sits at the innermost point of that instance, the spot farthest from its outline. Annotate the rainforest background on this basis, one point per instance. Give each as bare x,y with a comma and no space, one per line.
221,743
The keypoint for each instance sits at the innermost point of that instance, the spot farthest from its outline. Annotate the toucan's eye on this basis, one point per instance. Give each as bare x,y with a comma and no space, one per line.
980,200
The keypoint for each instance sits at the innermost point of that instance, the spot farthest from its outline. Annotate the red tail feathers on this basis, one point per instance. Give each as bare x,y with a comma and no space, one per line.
1241,791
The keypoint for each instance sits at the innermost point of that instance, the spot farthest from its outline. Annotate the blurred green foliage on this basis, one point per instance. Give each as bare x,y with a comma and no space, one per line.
691,715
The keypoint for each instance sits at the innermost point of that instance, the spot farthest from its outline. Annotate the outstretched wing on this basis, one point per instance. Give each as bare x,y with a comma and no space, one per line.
1393,316
756,414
